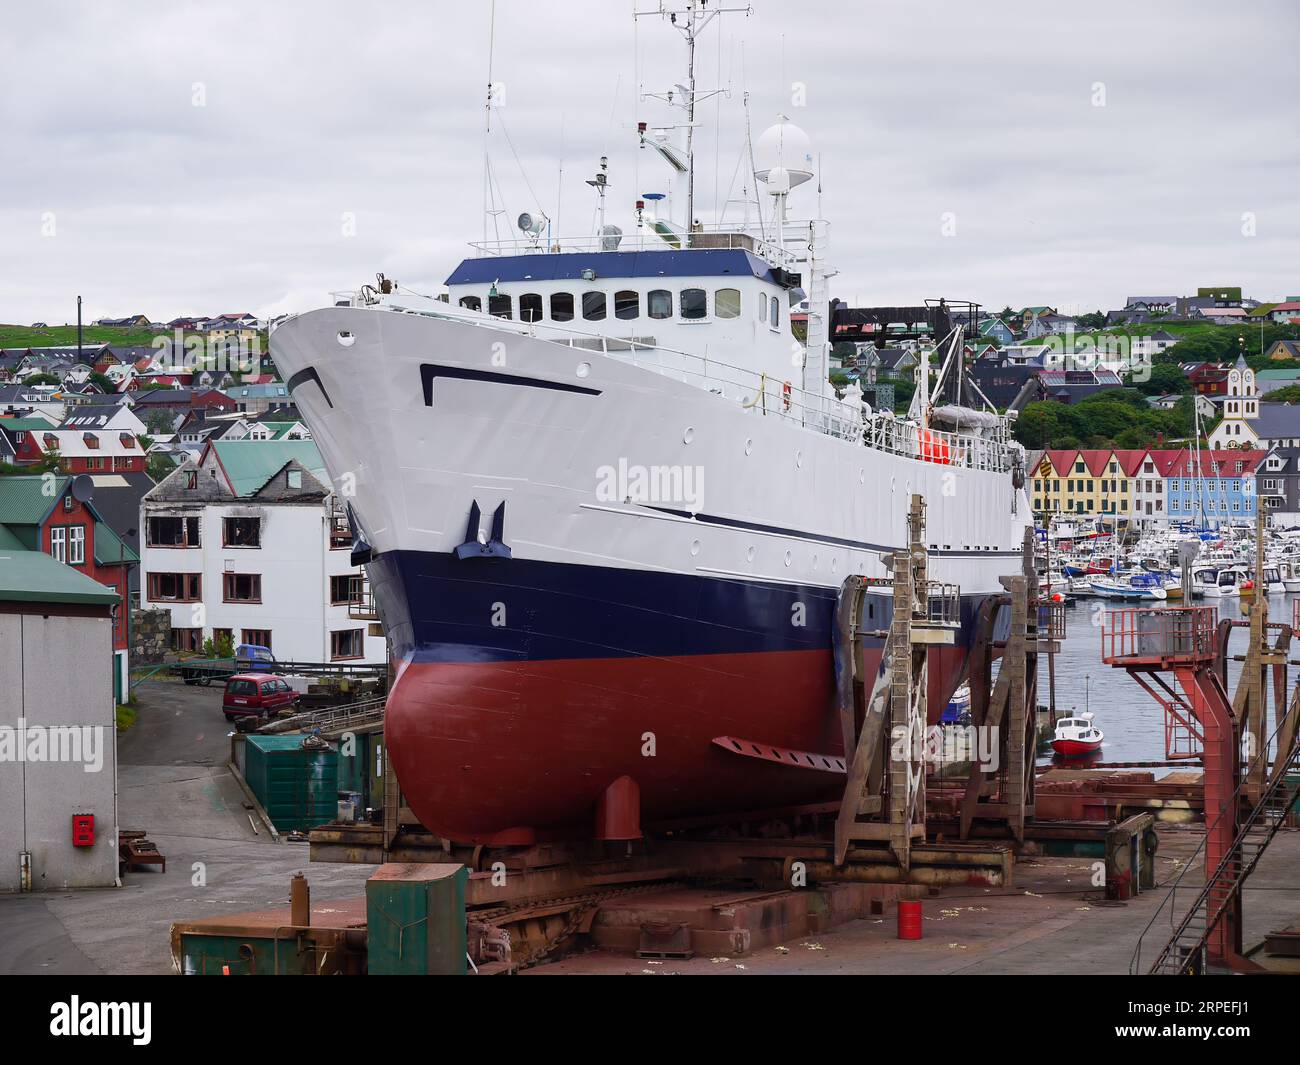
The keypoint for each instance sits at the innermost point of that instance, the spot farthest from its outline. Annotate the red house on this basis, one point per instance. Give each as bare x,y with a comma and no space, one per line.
1208,378
177,400
48,516
83,450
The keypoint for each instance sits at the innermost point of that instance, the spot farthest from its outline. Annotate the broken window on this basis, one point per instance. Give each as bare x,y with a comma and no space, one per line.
172,531
347,643
183,587
241,532
243,587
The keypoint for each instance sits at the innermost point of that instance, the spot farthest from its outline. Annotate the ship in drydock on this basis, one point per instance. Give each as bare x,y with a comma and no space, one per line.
607,501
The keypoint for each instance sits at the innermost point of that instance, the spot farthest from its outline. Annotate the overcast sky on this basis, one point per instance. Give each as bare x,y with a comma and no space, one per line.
170,158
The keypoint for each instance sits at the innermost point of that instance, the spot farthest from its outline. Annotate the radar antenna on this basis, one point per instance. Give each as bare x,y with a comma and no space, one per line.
690,20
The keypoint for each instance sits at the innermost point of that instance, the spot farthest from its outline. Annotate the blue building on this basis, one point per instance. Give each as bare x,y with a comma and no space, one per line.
1218,486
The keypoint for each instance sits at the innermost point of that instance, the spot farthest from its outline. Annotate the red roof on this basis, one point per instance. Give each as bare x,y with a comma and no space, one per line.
1096,459
1223,463
1131,459
1062,461
1290,305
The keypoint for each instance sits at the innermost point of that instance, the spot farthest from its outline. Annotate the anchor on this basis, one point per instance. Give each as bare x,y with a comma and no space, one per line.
475,546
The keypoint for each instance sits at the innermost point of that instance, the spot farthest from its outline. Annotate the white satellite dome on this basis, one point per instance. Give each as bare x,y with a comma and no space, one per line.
783,156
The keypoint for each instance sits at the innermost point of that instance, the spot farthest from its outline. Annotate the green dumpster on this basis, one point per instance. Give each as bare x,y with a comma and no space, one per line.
415,920
295,778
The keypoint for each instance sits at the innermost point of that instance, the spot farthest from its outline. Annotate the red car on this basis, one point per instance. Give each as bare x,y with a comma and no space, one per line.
256,695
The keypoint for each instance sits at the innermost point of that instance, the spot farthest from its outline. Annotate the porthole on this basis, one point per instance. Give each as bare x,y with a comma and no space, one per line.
346,339
788,558
749,555
689,435
695,548
584,368
798,460
749,446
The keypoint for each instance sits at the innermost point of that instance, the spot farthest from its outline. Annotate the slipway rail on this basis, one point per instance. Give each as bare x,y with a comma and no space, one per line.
206,670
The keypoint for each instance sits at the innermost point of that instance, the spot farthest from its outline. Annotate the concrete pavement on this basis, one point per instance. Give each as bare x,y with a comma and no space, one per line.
173,783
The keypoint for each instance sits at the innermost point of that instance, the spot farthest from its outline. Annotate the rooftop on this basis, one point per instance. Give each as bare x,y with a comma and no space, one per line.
249,464
695,262
35,577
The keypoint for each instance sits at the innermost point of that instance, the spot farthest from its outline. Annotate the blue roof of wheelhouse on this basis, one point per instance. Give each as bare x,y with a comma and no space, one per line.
568,266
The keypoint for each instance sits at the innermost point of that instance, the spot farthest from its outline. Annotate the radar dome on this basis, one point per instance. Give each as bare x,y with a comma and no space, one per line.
783,151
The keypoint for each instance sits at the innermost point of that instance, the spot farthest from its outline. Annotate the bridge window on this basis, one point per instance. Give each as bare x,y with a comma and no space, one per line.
726,303
774,313
471,303
694,303
499,306
659,303
530,307
627,304
561,306
593,306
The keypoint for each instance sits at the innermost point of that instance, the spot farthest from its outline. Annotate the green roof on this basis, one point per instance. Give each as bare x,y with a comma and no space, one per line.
251,463
111,549
26,423
24,499
35,577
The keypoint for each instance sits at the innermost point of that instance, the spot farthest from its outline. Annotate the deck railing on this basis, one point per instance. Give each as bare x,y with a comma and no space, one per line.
1159,635
709,236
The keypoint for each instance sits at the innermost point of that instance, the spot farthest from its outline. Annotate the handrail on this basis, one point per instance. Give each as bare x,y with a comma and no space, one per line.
1211,880
708,236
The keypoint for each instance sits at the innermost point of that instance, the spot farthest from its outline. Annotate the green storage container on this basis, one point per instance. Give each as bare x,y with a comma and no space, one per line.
415,920
295,780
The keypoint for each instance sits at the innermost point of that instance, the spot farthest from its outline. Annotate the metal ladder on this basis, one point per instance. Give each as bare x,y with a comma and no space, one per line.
1184,952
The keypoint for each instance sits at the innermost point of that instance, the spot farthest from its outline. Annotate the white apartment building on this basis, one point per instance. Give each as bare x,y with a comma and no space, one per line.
1148,493
250,543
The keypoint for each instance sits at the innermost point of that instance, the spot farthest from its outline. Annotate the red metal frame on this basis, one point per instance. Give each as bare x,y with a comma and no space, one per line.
1184,635
1184,641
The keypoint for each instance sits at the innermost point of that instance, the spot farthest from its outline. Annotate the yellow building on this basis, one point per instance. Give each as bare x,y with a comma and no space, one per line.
1094,481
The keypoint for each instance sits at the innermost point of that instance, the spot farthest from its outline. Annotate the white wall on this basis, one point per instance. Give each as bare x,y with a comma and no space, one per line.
38,799
295,562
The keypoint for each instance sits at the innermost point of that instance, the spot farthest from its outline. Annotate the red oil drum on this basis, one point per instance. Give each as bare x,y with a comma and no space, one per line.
909,919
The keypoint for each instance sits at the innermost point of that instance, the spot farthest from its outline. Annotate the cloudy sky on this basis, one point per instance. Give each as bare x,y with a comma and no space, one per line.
170,158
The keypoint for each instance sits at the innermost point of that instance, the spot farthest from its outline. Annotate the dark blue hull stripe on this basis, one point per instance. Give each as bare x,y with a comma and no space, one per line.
430,371
437,608
820,538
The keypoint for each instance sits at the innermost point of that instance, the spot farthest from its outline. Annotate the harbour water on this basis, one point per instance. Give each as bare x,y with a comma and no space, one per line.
1132,721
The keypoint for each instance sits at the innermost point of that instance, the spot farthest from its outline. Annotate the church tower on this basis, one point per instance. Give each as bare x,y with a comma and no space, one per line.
1240,405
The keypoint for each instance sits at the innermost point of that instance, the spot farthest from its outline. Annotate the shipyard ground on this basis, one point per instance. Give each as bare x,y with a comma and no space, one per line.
173,783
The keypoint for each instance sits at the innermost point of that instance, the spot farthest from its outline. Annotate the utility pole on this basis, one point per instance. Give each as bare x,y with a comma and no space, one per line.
78,328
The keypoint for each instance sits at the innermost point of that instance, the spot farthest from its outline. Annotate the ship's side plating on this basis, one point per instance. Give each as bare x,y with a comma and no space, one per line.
629,626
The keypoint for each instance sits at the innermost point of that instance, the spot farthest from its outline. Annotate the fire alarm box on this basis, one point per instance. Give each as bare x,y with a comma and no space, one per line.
83,830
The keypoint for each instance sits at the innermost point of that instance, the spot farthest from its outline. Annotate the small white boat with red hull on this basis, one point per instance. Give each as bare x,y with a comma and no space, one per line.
1076,736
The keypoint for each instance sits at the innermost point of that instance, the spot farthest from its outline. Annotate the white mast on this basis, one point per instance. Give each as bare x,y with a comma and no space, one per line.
690,19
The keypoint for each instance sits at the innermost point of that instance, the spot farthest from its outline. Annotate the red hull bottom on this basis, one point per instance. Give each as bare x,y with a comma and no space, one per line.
1075,748
497,752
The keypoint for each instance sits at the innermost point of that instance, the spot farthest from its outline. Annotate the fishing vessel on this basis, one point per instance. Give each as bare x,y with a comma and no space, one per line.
606,501
1138,585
